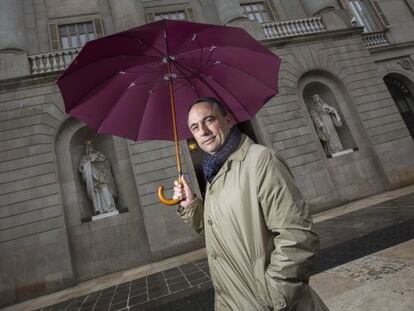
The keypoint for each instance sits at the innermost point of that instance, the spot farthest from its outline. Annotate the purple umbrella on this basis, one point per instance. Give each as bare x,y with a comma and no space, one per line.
140,83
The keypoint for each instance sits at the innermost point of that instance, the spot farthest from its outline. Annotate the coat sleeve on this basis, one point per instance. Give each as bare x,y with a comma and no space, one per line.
194,215
286,215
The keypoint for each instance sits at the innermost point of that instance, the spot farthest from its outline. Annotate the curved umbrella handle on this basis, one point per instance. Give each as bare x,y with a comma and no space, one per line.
164,200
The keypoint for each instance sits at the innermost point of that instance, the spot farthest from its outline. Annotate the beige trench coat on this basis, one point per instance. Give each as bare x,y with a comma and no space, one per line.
258,234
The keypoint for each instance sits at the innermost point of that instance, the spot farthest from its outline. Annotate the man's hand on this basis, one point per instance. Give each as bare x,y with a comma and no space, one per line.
183,191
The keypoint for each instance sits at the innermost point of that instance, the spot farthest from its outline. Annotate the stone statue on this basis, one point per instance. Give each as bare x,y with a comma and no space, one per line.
325,119
96,173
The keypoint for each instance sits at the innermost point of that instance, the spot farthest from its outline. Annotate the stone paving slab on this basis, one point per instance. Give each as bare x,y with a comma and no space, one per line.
136,295
344,239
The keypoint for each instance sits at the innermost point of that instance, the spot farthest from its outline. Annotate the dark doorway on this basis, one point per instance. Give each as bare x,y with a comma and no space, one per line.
404,99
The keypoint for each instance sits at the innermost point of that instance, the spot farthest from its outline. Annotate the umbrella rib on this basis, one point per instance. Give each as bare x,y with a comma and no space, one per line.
191,55
229,27
113,107
140,40
145,109
238,69
184,76
108,58
265,84
205,82
248,74
100,83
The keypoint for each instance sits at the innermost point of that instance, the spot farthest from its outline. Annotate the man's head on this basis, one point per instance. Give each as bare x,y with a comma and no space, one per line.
210,123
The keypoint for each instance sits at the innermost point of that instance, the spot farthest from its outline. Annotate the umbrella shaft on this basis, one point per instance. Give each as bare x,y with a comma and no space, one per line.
177,146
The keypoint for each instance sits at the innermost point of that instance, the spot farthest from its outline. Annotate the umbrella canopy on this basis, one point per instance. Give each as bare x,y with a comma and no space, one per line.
124,84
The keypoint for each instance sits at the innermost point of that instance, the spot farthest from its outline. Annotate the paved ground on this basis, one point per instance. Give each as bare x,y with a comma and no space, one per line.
366,262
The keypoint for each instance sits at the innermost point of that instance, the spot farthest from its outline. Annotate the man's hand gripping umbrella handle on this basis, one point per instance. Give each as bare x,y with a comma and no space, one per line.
183,194
164,200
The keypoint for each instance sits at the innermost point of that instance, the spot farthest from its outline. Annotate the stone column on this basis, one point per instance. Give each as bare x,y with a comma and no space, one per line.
13,55
231,14
127,14
228,10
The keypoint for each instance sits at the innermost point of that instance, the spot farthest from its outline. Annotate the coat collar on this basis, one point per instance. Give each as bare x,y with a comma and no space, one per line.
237,155
241,151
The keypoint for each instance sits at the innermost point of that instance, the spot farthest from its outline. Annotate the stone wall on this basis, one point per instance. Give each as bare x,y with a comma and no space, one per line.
46,241
154,165
348,69
35,256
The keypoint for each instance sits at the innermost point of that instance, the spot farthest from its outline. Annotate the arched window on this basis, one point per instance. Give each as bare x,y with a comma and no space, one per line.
404,99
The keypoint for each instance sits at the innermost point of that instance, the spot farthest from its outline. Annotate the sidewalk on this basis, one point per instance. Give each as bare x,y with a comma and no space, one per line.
366,263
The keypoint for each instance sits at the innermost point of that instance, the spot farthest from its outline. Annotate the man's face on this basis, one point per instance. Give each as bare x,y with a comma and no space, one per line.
208,126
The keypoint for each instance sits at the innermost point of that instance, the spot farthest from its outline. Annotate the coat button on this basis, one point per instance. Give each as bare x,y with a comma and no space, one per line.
218,291
213,255
210,191
210,222
282,304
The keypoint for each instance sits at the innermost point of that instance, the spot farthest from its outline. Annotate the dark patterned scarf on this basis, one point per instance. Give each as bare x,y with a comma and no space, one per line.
213,162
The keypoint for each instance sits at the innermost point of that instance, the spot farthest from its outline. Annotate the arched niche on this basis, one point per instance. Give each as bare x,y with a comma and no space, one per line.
109,244
350,175
402,91
75,147
342,129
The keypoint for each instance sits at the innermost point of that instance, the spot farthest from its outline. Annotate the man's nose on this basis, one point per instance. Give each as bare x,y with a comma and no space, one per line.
204,129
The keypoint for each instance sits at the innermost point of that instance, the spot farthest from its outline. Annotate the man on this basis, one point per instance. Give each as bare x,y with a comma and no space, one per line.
256,224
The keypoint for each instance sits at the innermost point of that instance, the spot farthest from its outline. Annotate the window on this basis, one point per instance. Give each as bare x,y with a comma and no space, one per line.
257,11
182,14
76,35
71,35
176,15
368,14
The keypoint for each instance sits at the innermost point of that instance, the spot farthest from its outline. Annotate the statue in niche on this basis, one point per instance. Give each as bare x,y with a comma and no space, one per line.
100,186
326,119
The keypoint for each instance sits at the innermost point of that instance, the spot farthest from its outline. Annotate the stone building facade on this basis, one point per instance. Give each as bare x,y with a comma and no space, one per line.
358,55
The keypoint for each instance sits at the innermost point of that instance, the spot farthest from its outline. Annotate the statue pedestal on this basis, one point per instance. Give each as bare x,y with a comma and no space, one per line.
100,216
339,153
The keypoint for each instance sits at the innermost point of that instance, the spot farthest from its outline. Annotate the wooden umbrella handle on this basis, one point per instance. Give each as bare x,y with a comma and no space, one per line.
164,200
161,196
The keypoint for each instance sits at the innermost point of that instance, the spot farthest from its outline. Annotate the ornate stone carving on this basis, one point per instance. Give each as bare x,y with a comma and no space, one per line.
406,63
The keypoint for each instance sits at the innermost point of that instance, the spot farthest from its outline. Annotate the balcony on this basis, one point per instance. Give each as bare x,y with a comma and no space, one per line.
294,27
52,61
375,39
60,60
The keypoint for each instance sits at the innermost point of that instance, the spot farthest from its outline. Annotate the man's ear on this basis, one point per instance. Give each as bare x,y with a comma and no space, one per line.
230,120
